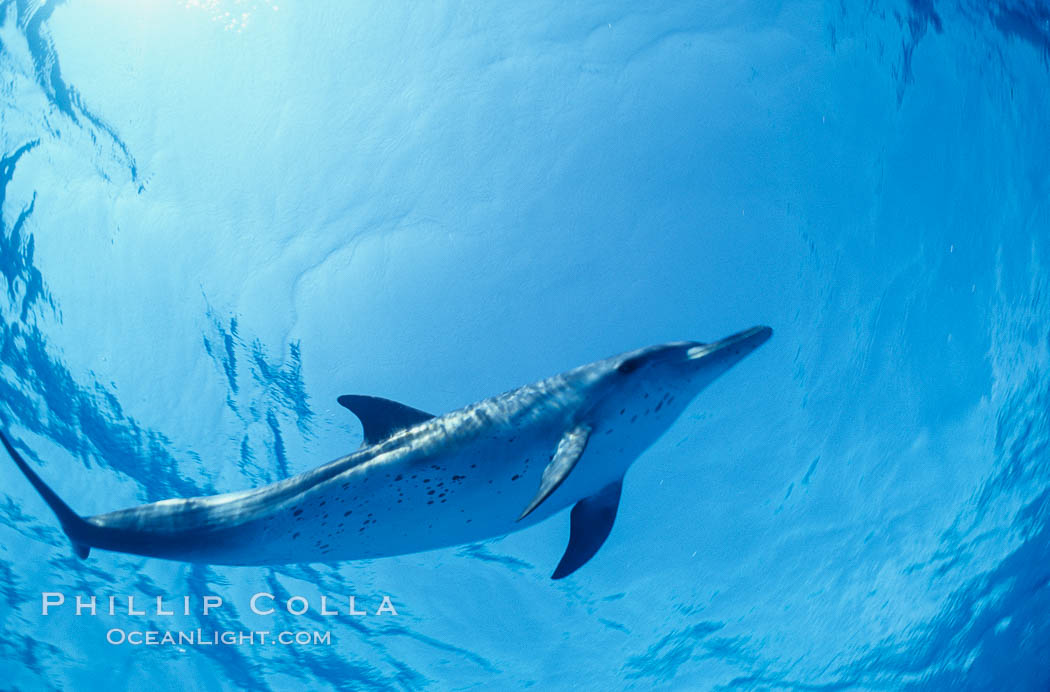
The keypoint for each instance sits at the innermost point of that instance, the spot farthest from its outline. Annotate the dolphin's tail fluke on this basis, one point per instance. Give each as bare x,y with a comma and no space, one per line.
72,523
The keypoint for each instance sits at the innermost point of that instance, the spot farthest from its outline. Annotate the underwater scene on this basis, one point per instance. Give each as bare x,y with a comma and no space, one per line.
776,274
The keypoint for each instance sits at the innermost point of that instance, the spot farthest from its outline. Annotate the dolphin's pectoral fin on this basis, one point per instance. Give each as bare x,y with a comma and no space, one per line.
570,449
380,417
591,521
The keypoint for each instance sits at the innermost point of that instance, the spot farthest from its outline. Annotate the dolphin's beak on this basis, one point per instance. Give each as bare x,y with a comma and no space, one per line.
732,347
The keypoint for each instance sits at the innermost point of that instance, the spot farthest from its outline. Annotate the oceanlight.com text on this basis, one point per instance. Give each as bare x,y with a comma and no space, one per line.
200,637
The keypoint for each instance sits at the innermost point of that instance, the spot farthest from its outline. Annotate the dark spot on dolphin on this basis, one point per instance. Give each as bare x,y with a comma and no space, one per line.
473,466
659,406
399,477
296,511
430,502
348,512
609,431
430,492
426,480
623,411
515,477
646,395
295,535
458,478
322,503
634,418
442,501
469,520
647,412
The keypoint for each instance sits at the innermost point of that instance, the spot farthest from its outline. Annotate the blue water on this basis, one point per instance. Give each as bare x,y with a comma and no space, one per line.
218,216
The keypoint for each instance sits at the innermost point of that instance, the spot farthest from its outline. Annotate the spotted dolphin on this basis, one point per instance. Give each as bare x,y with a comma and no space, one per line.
420,481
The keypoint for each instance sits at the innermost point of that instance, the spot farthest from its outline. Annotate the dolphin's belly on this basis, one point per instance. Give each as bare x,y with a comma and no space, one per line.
401,504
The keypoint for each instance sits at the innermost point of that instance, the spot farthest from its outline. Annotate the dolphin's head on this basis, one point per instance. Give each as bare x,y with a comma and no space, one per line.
645,390
682,365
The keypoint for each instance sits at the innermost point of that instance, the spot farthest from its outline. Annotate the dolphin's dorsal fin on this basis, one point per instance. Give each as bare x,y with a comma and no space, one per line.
380,417
591,521
570,449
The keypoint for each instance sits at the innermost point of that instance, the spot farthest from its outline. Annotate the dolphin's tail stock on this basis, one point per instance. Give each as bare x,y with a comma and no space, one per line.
73,524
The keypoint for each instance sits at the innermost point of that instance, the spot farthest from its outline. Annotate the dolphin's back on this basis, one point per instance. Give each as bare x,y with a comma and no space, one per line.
425,486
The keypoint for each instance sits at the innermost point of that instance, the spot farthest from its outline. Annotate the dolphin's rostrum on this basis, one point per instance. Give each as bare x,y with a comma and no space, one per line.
420,481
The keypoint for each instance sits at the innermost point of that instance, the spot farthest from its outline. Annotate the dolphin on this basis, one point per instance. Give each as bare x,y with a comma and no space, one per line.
421,481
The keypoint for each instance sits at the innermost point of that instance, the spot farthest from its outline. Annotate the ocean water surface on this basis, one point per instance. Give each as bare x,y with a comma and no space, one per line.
220,215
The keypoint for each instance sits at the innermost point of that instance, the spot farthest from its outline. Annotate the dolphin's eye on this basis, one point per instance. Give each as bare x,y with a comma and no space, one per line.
629,365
